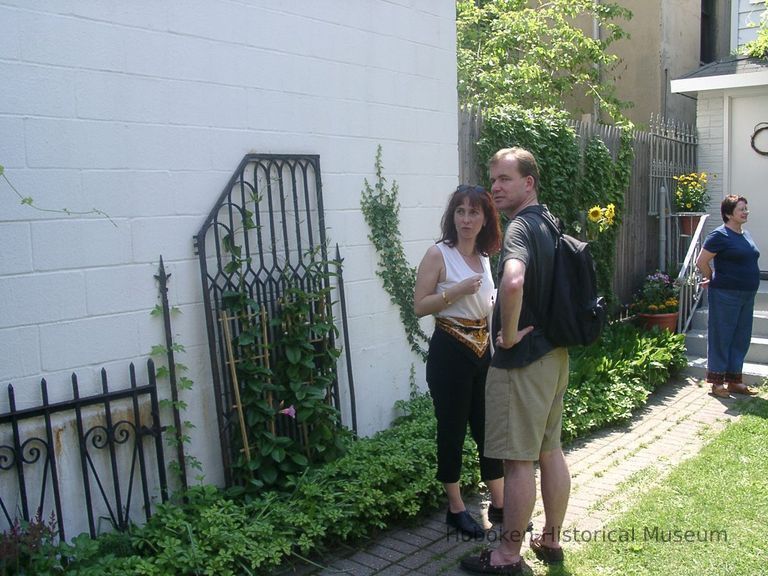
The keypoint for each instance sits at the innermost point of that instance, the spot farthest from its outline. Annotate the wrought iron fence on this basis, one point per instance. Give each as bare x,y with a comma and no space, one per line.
673,152
119,440
265,234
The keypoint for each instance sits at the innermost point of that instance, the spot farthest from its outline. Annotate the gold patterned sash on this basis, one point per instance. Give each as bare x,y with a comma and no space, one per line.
472,333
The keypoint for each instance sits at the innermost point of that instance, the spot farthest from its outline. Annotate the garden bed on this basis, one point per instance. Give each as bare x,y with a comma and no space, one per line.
380,480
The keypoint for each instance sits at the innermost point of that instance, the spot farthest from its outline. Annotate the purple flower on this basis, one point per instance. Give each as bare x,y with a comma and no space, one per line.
290,411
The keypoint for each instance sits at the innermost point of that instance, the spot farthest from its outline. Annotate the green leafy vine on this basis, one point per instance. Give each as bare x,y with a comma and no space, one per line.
290,419
29,201
285,372
381,210
572,181
183,383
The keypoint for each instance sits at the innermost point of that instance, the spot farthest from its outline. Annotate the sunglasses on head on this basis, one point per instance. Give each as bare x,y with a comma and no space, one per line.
468,188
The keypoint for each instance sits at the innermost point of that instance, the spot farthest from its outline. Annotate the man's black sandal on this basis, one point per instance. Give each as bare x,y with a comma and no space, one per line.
482,565
546,554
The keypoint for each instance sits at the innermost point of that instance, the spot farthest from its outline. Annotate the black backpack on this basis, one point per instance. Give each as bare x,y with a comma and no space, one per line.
576,314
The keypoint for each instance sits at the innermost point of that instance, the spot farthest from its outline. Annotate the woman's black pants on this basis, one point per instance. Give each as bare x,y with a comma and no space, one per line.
456,380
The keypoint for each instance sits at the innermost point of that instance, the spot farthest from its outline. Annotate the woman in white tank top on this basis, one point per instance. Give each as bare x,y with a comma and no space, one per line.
455,285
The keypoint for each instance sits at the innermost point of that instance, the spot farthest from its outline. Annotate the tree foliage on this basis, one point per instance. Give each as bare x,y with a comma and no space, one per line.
534,54
758,48
572,179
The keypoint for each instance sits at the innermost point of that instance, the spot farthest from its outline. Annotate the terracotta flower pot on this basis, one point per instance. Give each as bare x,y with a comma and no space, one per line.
688,224
664,321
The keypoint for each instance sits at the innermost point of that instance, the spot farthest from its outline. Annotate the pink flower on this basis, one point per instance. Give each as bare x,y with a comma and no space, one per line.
290,411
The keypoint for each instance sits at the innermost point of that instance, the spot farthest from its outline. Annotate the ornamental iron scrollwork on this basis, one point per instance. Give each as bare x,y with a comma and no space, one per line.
119,459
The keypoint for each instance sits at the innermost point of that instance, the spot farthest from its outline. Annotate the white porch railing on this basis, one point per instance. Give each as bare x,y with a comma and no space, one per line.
688,279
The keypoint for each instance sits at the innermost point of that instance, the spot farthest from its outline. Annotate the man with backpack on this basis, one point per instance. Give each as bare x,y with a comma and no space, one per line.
528,375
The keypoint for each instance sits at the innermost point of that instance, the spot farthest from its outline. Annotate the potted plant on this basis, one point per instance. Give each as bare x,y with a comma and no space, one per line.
656,303
691,199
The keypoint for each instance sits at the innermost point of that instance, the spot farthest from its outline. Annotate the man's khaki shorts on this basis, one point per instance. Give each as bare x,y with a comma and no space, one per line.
524,408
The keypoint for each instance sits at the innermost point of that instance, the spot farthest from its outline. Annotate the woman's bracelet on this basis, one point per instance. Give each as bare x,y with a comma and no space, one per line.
445,298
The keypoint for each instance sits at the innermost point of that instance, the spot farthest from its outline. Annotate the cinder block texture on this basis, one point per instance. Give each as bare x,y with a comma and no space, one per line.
125,122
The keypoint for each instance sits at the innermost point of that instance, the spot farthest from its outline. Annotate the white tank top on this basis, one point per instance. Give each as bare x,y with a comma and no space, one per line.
473,306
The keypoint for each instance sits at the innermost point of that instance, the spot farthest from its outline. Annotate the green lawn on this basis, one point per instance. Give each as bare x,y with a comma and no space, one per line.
709,516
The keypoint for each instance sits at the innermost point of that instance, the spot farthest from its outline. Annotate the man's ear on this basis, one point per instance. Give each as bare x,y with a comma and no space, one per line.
530,181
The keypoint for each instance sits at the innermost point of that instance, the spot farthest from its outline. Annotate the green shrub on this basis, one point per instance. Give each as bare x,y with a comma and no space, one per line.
379,480
615,376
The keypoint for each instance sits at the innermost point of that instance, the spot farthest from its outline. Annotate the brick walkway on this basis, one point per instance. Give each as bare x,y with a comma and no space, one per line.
679,418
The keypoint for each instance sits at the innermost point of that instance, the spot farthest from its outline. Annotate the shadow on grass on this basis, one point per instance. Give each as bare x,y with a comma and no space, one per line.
754,406
558,570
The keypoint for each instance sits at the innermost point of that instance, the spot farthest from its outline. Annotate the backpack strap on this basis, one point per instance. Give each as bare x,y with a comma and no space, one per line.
554,225
549,219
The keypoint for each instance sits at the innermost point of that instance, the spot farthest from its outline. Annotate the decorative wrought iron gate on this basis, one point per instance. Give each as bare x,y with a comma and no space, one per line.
119,438
264,234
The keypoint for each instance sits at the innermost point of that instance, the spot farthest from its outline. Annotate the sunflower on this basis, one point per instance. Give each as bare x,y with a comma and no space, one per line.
595,213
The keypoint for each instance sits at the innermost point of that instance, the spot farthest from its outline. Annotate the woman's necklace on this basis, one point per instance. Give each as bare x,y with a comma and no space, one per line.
471,259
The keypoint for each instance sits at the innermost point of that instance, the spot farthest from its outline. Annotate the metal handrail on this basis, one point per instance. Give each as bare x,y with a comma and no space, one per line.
691,291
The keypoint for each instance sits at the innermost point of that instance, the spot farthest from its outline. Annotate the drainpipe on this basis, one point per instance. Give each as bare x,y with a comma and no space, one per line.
663,228
596,37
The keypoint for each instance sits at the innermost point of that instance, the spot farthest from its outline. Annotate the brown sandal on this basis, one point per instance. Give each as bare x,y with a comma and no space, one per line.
717,379
741,388
720,391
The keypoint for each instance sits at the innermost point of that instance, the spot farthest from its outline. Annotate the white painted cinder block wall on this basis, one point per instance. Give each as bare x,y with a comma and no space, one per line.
143,109
710,122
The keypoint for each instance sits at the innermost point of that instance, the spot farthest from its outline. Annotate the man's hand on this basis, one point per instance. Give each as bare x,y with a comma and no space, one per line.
519,336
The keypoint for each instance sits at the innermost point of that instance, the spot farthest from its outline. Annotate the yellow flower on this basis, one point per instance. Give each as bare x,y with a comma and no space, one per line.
595,213
691,191
610,213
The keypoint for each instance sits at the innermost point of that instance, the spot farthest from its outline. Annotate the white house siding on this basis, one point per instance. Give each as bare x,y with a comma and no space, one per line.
143,109
748,170
745,18
726,121
710,116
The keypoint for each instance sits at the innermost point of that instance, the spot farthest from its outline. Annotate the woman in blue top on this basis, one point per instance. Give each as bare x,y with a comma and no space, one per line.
733,282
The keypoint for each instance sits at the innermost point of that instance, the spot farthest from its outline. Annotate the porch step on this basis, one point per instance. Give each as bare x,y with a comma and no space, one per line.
696,345
753,375
759,323
756,363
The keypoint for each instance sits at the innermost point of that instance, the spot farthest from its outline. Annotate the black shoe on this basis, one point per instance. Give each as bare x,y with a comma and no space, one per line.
495,515
464,523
